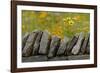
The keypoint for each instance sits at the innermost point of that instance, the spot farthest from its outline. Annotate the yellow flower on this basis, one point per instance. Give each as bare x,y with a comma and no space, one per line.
68,18
68,21
57,31
71,22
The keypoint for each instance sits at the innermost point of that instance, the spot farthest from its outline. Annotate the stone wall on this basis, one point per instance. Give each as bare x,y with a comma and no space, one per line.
41,46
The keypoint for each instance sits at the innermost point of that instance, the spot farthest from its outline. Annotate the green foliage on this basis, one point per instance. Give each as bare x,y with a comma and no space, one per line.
57,23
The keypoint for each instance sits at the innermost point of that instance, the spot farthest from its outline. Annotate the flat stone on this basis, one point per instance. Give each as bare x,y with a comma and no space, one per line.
85,45
71,45
45,43
55,42
38,58
63,46
78,57
24,39
27,50
58,58
77,47
37,43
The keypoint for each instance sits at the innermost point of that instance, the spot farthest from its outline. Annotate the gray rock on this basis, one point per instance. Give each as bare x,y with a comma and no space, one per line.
58,58
37,43
27,50
78,57
88,48
55,42
71,45
44,44
85,45
77,47
63,46
38,58
24,39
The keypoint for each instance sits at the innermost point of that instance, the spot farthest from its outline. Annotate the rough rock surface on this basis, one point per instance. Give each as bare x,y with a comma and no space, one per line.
85,45
37,43
58,58
41,46
77,47
37,58
71,45
55,42
63,46
24,39
78,57
27,50
44,44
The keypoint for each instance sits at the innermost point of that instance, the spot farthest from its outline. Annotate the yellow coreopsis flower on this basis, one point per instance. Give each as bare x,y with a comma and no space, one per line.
68,18
71,22
57,31
68,21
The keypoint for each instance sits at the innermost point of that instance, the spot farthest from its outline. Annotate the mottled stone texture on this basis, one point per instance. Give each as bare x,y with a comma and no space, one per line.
37,58
44,44
37,43
55,42
24,39
78,57
71,45
63,46
41,46
77,47
84,47
27,50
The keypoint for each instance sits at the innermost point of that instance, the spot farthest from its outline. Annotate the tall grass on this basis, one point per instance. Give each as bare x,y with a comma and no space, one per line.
57,23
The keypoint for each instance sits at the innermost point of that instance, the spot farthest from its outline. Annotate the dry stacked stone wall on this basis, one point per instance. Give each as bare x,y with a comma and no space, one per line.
41,46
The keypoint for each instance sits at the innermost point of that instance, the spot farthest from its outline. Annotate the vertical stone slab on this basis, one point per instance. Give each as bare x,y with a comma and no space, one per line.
77,47
27,50
88,48
45,43
37,43
63,46
85,45
24,39
71,45
55,42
